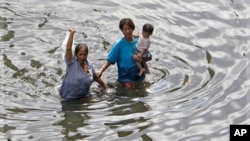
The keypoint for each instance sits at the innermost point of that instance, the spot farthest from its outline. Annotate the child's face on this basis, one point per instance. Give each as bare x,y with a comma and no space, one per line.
146,34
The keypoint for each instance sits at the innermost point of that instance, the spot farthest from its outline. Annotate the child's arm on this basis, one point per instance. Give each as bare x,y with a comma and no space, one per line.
145,59
140,54
138,57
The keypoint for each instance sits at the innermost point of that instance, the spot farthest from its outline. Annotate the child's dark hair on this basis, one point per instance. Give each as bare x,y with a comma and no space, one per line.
81,45
149,28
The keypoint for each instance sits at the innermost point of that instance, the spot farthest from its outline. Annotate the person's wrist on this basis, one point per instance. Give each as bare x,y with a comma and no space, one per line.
101,70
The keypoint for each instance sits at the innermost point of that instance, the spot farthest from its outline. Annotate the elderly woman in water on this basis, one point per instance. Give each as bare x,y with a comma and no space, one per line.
80,73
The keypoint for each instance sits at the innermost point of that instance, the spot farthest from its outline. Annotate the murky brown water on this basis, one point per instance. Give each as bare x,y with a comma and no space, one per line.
198,86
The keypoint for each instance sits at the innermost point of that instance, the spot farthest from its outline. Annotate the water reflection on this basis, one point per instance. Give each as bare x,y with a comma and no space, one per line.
74,118
79,113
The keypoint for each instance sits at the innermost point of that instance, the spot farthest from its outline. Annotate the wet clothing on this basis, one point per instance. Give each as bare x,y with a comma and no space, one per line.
121,53
76,83
143,43
146,55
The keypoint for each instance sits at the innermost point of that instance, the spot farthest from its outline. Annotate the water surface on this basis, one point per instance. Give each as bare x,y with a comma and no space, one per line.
198,86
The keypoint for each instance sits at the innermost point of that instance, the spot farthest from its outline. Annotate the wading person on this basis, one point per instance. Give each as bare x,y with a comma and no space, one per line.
122,53
80,73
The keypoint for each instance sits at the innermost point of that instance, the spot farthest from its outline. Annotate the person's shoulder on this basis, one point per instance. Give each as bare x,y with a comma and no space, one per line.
136,39
136,35
119,42
70,62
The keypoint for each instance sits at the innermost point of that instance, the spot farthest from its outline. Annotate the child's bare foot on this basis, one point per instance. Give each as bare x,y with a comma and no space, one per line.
141,72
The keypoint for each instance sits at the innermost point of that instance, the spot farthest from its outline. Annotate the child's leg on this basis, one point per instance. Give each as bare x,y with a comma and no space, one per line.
146,67
141,69
139,65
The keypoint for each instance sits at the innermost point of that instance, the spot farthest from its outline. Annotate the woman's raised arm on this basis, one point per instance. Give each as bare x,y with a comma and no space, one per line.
68,53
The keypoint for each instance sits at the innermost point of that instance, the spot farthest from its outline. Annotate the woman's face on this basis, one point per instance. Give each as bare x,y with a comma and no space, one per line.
127,32
82,55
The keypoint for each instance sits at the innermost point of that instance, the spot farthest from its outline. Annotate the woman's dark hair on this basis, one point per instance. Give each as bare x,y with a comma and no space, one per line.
126,21
79,46
149,28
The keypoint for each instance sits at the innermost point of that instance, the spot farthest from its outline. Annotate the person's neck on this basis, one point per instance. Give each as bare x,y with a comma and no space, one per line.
83,63
130,39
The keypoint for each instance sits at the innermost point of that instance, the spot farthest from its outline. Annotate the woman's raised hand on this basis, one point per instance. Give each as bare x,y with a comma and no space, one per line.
72,30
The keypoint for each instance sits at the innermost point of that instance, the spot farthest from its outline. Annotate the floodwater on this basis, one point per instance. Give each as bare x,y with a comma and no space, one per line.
198,86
